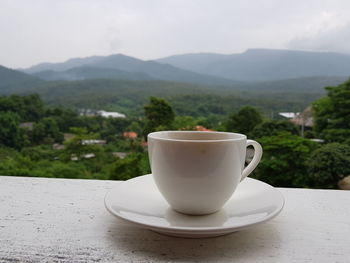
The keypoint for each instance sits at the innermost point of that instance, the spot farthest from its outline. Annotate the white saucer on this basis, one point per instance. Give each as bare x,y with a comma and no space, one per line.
139,201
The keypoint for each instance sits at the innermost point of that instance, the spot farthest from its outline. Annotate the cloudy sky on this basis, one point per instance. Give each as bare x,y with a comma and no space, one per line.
33,31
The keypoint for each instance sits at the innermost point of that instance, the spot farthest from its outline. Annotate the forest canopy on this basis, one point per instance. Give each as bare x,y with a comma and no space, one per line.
40,139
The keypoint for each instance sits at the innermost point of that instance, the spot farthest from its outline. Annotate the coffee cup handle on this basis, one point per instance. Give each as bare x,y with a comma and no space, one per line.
256,158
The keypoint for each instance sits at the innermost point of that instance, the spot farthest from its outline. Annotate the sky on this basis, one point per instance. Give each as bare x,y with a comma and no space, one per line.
35,31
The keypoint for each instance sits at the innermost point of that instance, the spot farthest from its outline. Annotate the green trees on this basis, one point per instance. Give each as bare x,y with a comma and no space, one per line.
332,114
46,131
77,147
244,121
40,152
65,118
288,159
113,128
284,161
159,115
18,164
273,128
329,164
28,108
11,134
124,169
185,123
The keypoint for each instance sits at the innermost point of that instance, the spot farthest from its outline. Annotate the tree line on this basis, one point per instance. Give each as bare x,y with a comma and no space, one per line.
38,140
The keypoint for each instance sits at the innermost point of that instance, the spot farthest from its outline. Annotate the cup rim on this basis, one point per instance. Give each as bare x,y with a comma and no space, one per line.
153,135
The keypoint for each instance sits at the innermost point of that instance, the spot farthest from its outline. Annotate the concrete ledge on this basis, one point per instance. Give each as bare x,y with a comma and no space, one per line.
64,220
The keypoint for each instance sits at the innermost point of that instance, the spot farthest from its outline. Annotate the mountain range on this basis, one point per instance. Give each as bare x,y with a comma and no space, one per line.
202,83
253,65
258,70
120,67
11,80
264,64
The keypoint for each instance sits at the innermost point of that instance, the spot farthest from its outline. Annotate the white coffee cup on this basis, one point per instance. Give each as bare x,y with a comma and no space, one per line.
197,172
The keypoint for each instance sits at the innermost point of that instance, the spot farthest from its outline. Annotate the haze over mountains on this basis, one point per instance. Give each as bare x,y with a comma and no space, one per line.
11,80
264,64
258,70
202,68
119,67
271,79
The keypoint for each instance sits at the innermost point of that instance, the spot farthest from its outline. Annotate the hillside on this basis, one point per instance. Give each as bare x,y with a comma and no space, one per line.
130,65
264,64
81,73
62,66
11,80
124,91
129,96
295,85
254,65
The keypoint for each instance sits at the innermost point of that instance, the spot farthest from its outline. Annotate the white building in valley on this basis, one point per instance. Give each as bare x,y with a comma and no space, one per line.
109,114
289,115
105,114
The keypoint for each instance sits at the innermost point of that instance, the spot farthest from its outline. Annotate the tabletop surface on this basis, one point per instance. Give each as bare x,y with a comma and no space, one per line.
64,220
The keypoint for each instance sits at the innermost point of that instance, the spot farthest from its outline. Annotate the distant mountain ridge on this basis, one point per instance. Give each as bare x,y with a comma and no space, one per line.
62,66
83,72
11,79
126,66
253,65
127,95
264,64
258,70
